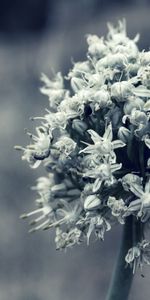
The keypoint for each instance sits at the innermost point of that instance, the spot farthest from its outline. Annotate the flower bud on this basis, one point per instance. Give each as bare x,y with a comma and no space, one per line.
123,134
92,202
121,90
79,126
73,193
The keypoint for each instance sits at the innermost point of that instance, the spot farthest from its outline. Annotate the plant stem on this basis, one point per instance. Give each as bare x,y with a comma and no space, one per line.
123,275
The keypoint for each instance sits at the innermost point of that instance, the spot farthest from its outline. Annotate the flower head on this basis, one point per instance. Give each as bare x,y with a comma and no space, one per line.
94,143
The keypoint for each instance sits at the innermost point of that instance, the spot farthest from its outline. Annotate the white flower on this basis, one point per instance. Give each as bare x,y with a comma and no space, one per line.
138,255
46,215
102,173
80,144
118,35
133,103
67,239
65,145
137,118
53,89
118,208
79,69
117,61
95,81
44,185
56,120
103,146
97,47
131,179
120,91
140,206
99,225
67,215
101,99
133,257
145,58
72,107
35,153
144,75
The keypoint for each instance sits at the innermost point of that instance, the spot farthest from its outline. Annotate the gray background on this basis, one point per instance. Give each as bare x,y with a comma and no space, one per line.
36,36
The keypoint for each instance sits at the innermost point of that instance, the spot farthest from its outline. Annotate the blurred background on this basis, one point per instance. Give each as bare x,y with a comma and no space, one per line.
38,36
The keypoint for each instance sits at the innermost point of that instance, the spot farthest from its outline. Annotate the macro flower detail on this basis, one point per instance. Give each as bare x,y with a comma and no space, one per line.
102,173
138,255
35,153
94,143
118,208
140,206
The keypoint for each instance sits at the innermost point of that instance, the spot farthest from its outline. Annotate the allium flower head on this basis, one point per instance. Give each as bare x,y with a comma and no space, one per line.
94,142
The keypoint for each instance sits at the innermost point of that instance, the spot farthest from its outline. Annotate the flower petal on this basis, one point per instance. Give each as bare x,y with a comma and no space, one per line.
141,91
36,164
118,144
94,136
136,189
88,149
134,205
115,167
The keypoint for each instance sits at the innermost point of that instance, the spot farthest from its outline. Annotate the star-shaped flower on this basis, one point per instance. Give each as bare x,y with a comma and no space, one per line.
140,206
103,146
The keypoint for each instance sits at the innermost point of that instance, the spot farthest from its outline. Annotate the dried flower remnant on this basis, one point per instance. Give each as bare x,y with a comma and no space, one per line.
94,142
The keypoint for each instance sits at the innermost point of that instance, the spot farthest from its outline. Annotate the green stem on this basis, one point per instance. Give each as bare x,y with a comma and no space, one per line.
123,275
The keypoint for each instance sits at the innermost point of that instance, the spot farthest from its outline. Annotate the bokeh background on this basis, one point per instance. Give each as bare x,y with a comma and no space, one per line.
38,36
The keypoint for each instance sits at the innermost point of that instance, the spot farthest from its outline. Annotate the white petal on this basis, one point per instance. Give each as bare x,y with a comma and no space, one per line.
36,164
135,205
118,144
115,167
136,189
94,136
141,91
88,149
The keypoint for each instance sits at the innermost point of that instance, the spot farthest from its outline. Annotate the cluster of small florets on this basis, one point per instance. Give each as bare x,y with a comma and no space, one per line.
94,142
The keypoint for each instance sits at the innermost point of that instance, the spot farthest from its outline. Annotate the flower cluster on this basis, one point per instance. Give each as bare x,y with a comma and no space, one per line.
94,142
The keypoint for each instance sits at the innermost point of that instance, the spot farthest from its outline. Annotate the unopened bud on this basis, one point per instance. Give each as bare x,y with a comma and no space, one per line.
92,202
79,126
124,134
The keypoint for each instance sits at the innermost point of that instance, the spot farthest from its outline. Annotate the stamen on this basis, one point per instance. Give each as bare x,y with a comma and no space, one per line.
24,216
39,227
19,148
33,222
